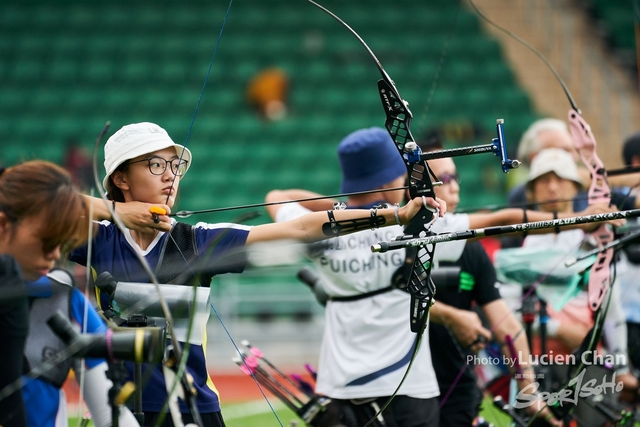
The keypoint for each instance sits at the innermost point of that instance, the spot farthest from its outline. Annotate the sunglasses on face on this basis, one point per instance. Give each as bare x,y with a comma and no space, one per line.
447,178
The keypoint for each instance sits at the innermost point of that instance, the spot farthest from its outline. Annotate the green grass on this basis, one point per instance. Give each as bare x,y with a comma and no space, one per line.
258,414
492,414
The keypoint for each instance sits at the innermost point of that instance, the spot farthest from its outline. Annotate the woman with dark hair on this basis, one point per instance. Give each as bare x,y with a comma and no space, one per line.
42,216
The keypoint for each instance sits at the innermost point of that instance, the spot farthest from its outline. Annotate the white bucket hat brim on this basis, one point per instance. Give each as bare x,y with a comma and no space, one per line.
554,160
134,140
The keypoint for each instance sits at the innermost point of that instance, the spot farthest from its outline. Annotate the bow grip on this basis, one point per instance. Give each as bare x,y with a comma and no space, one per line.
417,223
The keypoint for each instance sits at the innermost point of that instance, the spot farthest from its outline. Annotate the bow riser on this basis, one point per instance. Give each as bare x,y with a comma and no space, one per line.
397,124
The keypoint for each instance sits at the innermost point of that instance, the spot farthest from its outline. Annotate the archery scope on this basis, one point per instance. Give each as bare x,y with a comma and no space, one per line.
140,345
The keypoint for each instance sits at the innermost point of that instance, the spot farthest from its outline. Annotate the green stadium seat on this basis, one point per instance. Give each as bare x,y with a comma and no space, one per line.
30,70
33,45
513,99
82,17
495,73
48,16
15,17
47,100
118,99
63,72
68,46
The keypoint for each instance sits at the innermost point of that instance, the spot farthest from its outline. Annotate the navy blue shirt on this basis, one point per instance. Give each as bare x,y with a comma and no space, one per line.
114,252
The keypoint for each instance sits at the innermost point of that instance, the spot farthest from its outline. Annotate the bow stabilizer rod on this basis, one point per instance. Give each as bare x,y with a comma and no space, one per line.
407,242
498,147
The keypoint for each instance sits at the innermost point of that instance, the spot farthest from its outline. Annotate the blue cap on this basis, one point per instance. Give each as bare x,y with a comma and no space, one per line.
369,159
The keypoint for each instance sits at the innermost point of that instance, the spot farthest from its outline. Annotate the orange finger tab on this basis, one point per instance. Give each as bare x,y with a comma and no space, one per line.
157,210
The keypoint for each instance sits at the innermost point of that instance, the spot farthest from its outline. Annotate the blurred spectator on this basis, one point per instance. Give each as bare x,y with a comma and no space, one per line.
77,161
267,91
542,134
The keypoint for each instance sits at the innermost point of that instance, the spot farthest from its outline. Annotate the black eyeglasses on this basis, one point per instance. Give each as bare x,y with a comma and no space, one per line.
447,178
157,165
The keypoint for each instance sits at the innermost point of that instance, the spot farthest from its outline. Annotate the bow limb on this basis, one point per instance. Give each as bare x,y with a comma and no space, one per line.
599,192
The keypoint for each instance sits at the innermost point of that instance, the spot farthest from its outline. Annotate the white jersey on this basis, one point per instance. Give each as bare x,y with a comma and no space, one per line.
367,343
450,251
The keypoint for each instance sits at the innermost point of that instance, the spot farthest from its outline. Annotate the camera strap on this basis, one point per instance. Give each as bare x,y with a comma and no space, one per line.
178,252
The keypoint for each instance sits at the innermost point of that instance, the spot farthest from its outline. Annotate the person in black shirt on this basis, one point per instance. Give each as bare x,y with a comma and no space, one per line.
476,284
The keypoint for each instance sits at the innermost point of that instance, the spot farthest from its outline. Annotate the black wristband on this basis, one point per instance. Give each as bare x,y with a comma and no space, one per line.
332,219
374,212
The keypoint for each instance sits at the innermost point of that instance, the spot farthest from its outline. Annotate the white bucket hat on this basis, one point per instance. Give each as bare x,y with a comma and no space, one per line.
134,140
554,160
